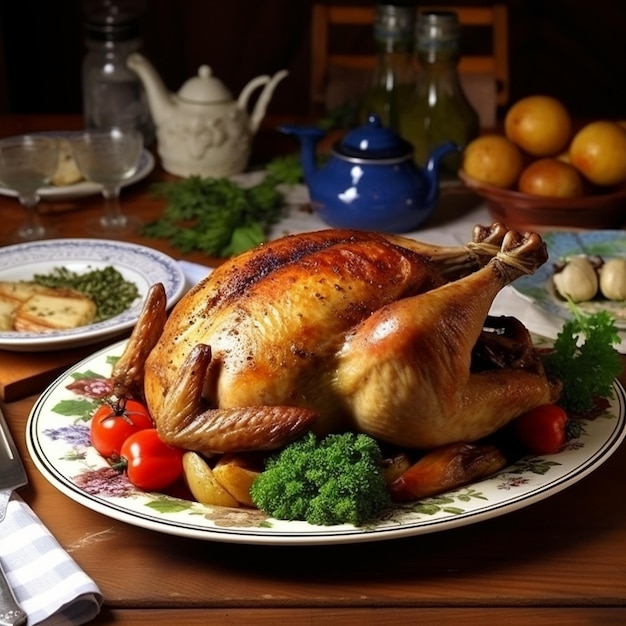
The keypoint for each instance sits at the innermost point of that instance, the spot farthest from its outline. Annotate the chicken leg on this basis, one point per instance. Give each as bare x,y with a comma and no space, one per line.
406,373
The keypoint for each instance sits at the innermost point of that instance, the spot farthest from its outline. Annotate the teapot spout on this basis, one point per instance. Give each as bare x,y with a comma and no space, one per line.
431,170
308,136
160,100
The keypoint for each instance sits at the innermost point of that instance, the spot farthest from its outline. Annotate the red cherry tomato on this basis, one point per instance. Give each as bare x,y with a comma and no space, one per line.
542,429
112,424
151,465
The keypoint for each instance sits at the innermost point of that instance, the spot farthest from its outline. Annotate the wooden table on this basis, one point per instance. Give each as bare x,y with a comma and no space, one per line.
560,561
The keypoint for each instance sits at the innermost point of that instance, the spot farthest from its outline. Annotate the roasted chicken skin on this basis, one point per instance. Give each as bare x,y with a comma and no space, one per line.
336,330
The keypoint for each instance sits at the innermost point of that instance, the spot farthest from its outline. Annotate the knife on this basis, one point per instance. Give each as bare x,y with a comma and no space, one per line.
12,476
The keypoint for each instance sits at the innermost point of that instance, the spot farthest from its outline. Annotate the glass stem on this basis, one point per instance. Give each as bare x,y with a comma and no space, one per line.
113,216
31,228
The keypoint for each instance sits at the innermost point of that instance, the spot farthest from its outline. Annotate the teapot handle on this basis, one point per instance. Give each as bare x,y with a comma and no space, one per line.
246,92
261,105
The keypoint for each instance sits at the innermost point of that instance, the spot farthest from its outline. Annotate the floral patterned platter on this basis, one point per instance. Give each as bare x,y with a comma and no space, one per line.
138,264
57,435
539,288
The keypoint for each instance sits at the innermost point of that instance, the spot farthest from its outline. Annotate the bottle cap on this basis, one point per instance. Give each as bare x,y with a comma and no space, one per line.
394,21
112,29
441,25
438,29
112,20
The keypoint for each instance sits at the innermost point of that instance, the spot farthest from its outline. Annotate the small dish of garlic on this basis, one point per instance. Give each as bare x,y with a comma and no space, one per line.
582,278
586,267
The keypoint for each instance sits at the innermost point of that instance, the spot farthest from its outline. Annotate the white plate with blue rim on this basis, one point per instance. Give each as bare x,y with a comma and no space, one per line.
539,287
140,265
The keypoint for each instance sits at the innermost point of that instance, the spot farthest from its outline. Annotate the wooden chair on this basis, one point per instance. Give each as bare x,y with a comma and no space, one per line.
472,67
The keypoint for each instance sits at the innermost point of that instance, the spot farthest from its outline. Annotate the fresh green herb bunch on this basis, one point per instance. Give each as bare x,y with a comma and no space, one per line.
285,169
219,217
585,360
109,290
334,480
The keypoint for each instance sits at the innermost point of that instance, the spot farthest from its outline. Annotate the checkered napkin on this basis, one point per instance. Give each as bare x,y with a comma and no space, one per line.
48,584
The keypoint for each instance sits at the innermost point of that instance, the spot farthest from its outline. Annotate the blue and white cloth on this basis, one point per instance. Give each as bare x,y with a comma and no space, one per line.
48,584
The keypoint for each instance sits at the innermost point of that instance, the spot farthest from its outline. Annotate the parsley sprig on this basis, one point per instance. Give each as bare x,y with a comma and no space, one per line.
219,217
585,359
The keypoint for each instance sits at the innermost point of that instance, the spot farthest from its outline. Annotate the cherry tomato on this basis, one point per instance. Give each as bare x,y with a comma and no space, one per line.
542,429
151,464
112,424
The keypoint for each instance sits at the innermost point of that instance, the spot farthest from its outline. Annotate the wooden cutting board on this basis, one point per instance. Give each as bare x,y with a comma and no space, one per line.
26,373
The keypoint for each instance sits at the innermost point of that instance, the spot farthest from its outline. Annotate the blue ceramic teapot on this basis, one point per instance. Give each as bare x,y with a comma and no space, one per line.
370,181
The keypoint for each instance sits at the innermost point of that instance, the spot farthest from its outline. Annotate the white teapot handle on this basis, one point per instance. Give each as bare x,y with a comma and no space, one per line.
261,105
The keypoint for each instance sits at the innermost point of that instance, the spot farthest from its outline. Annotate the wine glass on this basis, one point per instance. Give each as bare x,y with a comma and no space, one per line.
28,162
109,157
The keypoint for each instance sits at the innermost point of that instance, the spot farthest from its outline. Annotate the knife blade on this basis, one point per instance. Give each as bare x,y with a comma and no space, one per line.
12,476
12,472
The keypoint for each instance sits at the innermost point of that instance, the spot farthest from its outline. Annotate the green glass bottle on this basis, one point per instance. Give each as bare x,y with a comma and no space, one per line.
393,79
439,110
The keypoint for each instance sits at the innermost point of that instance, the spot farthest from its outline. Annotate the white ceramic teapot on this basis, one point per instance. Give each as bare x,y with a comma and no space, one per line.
202,130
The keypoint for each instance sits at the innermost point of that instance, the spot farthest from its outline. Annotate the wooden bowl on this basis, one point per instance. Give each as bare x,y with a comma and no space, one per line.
527,212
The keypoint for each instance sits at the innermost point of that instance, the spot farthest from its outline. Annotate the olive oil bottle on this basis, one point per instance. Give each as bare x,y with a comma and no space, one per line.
439,110
393,79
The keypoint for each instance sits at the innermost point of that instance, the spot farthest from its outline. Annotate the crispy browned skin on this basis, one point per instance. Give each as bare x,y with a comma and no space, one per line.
341,330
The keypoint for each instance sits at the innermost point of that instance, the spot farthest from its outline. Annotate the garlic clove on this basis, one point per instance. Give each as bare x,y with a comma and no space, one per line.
613,279
577,280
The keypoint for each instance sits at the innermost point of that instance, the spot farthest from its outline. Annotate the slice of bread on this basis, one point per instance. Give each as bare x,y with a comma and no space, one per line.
20,291
44,312
7,307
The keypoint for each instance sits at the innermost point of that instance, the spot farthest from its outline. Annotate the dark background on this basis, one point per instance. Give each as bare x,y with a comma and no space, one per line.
572,49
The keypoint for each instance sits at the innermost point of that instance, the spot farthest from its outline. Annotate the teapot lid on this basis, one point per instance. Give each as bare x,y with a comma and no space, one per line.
204,88
373,141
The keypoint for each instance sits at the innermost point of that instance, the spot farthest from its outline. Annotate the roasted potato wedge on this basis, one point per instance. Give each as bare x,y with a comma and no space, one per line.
202,482
235,475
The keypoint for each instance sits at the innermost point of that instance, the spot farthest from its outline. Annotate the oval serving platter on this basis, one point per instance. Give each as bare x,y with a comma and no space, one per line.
57,436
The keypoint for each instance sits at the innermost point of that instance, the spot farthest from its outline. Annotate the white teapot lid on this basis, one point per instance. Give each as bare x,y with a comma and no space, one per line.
204,88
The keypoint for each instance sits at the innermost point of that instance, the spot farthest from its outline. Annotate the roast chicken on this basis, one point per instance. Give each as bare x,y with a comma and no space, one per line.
340,330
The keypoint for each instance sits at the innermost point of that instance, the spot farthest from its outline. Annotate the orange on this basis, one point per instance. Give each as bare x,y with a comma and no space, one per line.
539,125
494,160
598,151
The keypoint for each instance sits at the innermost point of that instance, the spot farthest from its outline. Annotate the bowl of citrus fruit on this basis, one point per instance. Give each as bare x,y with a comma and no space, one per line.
542,171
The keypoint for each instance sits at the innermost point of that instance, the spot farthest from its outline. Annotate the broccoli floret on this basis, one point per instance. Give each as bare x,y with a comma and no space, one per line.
334,480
